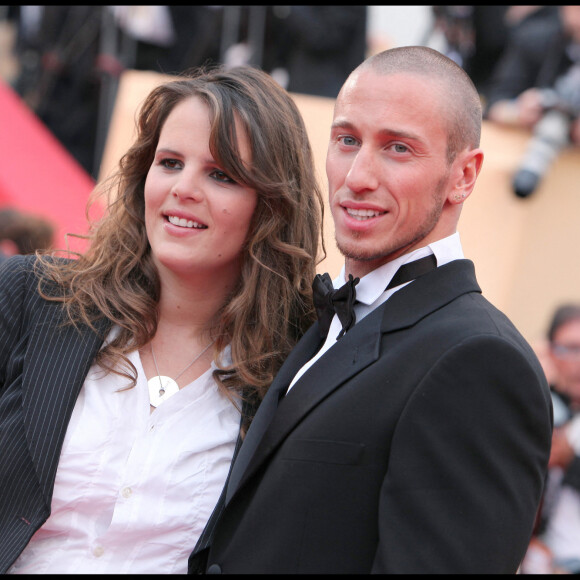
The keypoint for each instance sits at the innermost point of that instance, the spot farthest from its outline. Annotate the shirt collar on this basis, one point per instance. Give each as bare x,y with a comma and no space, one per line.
374,283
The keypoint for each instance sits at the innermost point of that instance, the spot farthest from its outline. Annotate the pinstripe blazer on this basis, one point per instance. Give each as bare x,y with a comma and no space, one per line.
42,368
43,365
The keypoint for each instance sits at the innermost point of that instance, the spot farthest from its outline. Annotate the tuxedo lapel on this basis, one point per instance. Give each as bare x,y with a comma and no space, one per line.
57,361
353,352
356,350
302,353
429,293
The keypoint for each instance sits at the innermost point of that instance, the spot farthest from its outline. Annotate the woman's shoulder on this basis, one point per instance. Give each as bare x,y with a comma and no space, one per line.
23,269
27,263
16,266
18,294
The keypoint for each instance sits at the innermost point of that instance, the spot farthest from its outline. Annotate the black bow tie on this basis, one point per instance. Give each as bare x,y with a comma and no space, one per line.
329,301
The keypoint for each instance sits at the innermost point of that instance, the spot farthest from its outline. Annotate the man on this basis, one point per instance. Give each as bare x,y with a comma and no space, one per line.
557,533
536,86
418,441
542,49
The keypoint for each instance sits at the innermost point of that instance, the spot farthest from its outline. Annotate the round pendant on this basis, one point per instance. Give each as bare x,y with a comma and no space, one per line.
160,389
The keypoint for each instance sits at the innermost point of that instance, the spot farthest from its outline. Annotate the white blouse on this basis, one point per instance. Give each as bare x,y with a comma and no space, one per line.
134,489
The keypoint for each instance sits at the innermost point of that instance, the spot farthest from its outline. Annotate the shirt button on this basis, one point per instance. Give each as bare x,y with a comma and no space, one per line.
98,551
127,491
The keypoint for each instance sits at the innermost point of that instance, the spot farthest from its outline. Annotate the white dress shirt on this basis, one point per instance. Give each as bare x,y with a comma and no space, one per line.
371,293
134,488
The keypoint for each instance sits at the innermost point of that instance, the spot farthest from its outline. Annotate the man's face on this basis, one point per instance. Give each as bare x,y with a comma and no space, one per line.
565,355
389,178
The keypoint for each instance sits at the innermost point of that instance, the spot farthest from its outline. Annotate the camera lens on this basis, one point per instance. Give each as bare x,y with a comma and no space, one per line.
525,182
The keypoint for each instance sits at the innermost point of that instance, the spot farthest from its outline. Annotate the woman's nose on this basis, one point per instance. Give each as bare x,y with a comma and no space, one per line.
187,187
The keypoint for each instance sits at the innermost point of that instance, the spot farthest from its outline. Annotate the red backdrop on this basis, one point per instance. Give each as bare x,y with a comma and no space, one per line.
37,174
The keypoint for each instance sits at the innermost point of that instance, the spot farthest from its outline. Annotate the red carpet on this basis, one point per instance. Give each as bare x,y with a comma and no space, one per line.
37,174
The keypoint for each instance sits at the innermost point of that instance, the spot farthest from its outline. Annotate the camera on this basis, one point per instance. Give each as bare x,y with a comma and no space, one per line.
551,133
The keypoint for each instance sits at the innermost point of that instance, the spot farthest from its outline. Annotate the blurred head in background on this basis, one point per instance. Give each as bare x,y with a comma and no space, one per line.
24,233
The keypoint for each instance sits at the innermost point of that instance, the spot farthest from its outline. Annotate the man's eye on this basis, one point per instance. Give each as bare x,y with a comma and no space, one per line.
400,148
348,141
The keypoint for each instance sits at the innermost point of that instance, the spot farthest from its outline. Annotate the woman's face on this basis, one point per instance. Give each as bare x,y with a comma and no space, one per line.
197,218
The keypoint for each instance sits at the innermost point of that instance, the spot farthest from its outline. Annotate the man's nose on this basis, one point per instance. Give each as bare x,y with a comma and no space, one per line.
362,175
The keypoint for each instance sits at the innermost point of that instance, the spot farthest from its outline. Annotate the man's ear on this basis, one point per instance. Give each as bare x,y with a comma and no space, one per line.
466,168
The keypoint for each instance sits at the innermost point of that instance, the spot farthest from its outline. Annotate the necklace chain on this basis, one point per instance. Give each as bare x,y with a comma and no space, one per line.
187,367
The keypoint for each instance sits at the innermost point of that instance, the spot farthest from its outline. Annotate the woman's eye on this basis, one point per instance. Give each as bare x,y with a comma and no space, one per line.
170,163
219,175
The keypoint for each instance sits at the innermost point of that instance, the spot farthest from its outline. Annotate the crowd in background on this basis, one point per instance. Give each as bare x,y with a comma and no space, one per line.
524,61
70,58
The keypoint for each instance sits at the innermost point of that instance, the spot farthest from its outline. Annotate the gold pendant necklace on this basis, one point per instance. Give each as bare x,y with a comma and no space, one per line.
162,387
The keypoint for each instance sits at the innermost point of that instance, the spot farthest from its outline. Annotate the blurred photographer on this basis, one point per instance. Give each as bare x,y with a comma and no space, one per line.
555,547
474,37
536,86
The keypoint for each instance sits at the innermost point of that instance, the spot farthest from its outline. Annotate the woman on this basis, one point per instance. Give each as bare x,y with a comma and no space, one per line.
123,372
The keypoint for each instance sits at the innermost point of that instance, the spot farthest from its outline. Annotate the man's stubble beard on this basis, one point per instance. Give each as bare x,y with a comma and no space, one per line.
397,247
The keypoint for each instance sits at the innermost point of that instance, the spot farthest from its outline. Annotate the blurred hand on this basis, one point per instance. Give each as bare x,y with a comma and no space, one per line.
562,452
575,132
524,111
529,108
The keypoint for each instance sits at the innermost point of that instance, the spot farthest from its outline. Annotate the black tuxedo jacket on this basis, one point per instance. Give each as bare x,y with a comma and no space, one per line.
417,444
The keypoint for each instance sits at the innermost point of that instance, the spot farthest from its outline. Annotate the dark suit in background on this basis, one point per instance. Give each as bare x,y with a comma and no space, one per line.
535,56
319,46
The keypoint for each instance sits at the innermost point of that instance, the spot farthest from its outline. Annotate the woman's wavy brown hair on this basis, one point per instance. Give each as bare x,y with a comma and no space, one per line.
272,305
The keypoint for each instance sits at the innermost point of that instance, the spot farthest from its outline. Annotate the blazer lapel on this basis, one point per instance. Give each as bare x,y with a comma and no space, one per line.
57,361
357,349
